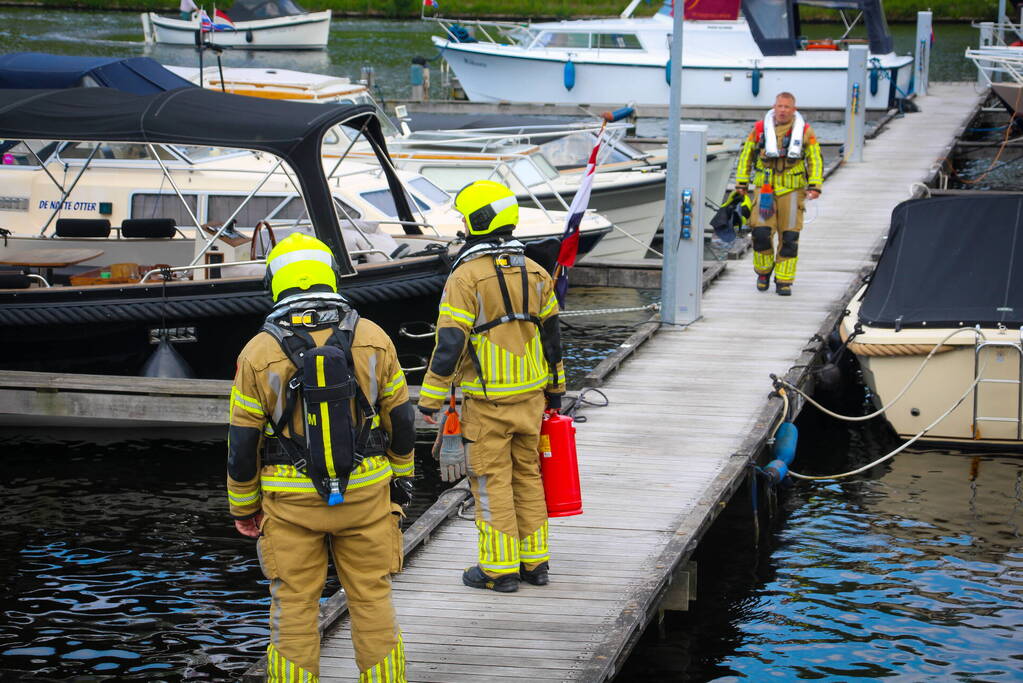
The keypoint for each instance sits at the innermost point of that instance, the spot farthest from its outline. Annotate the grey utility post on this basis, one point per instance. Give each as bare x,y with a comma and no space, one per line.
855,103
923,51
987,38
682,274
1001,18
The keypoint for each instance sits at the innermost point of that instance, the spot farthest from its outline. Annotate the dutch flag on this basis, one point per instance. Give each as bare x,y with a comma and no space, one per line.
570,238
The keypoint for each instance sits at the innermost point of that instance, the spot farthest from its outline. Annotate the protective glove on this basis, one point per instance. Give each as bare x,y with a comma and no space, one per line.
452,458
553,401
401,491
440,434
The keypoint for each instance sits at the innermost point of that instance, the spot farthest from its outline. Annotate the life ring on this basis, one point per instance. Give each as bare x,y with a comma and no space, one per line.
826,44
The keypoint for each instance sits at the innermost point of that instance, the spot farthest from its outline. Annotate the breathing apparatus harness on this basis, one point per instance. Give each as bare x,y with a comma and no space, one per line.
511,253
324,381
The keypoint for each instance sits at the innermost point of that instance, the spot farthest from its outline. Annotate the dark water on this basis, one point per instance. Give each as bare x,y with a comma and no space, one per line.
911,571
120,561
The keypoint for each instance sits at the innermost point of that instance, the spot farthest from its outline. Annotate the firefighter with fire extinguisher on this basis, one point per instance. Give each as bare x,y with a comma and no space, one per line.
498,335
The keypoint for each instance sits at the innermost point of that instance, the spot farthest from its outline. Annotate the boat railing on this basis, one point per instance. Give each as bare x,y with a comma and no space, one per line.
456,31
199,266
993,62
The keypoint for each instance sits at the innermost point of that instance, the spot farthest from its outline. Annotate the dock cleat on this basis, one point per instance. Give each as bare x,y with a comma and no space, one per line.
783,288
763,282
475,578
538,576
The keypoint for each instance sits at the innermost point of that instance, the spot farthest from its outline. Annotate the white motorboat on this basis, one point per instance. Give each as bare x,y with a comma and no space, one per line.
252,25
737,62
278,84
949,281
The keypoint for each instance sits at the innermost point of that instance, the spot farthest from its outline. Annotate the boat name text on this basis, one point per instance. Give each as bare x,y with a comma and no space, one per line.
68,206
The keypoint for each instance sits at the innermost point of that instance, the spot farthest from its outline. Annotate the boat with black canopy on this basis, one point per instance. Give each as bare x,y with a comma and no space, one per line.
211,300
938,330
246,25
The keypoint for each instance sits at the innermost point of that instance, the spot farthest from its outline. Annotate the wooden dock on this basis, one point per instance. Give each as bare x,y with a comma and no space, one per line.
689,410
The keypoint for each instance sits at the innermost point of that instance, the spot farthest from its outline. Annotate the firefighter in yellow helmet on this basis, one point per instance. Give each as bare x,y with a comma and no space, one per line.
784,157
498,336
320,461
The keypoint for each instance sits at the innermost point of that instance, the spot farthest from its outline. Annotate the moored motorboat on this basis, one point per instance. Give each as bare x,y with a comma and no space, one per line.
246,25
947,289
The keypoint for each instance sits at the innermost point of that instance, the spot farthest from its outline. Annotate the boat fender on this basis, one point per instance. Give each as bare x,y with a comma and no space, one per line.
829,378
875,78
784,451
248,36
569,75
165,361
667,72
755,80
618,114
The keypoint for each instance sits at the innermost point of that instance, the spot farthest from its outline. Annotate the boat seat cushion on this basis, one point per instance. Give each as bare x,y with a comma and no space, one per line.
83,227
153,228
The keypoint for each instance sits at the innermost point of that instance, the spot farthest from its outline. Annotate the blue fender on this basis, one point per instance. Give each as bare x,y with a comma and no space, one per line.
667,72
784,451
569,75
755,81
875,77
623,113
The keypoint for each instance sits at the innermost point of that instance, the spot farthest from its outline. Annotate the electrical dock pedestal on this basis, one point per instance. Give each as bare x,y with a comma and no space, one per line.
689,411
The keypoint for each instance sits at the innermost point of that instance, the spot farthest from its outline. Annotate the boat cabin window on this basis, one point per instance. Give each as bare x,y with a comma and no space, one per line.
384,200
522,36
195,153
113,150
164,206
773,25
616,41
293,209
564,39
220,207
527,172
19,152
453,178
429,190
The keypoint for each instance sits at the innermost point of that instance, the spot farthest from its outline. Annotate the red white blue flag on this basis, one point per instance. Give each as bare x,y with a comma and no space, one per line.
430,3
570,238
222,22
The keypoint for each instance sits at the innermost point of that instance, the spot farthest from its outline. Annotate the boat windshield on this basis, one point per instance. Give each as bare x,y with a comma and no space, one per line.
569,39
522,36
248,10
26,152
429,190
384,201
113,150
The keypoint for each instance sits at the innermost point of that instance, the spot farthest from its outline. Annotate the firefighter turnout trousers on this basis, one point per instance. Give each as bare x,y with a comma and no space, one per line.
504,473
363,537
776,239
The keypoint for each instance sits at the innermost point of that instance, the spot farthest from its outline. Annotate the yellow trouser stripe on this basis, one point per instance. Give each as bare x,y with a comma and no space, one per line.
280,670
533,548
391,669
498,552
328,449
786,269
763,262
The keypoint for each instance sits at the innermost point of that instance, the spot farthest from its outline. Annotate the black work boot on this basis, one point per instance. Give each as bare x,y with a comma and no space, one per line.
763,282
474,577
539,576
783,288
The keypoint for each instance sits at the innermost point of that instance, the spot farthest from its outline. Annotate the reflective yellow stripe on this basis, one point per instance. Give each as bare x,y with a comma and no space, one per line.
281,670
432,391
785,271
246,403
391,669
328,449
552,303
498,552
403,470
763,262
242,499
287,478
742,171
533,549
396,382
457,314
476,389
815,172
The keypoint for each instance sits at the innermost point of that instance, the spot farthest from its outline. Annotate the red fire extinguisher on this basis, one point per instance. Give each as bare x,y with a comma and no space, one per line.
559,466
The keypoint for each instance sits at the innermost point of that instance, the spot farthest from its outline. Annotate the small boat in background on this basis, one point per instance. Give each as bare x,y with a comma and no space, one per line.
276,84
949,281
247,25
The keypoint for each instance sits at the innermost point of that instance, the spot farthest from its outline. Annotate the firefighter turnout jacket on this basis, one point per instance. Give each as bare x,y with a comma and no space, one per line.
783,173
497,330
257,402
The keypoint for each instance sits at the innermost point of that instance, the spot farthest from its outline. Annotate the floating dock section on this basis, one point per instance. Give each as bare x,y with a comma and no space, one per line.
689,411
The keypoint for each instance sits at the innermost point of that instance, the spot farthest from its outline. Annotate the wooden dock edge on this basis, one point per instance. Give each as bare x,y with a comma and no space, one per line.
418,534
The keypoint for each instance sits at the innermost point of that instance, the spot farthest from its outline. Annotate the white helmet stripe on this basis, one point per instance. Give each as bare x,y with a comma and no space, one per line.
500,205
290,257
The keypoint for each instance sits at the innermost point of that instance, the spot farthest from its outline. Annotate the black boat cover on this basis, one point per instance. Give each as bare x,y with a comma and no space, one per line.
254,10
138,75
950,262
292,131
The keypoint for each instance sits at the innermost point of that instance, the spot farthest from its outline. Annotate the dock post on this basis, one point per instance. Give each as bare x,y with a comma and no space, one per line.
923,51
987,38
682,276
1001,19
855,103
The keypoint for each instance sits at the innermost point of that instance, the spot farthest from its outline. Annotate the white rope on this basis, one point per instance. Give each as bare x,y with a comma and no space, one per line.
610,311
912,380
917,436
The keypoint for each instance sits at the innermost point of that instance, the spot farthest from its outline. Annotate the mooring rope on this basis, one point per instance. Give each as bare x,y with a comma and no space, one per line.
656,306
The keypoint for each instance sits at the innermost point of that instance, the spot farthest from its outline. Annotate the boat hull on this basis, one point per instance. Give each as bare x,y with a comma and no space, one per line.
489,75
300,32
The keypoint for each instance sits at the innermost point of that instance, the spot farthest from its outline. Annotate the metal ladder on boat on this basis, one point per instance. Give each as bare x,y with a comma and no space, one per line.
1018,420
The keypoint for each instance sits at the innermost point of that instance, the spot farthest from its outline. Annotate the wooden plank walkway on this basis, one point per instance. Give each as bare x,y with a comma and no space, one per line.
659,463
